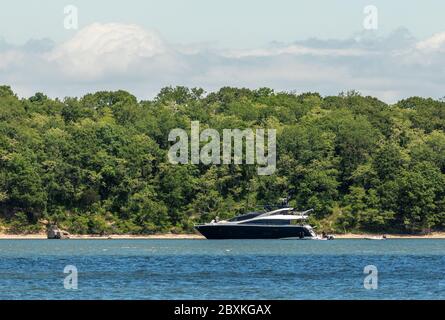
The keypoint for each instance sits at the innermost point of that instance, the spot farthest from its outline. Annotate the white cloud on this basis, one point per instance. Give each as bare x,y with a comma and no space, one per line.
10,58
120,56
435,42
295,50
102,48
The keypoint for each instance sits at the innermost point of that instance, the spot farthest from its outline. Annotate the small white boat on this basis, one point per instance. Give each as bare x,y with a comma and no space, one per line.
375,238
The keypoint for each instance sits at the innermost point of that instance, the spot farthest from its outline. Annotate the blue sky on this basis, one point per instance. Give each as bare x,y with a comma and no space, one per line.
228,23
140,46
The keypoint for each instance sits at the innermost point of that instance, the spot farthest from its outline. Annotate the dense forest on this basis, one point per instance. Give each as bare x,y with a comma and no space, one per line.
98,164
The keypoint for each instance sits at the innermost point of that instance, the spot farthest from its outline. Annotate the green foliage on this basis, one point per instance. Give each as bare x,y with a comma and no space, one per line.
98,164
20,224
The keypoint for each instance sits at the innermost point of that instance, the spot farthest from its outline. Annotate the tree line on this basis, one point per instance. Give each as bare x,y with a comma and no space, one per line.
98,164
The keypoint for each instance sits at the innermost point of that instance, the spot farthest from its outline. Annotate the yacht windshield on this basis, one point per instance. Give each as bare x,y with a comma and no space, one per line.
246,216
272,222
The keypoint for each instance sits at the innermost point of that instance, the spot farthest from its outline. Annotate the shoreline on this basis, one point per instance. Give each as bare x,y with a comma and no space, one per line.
170,236
163,236
433,235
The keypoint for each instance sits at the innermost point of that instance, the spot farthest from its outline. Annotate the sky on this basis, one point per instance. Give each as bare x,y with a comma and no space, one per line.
141,46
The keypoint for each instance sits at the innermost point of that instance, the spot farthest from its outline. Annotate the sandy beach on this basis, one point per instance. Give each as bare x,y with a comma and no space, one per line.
171,236
433,235
166,236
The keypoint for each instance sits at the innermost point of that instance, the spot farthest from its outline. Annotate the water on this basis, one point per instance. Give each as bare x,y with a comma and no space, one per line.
225,269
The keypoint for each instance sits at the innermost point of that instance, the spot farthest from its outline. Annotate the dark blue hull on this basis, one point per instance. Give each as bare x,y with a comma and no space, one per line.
245,231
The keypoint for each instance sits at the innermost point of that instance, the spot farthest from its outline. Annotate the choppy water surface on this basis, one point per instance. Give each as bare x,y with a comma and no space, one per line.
222,269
